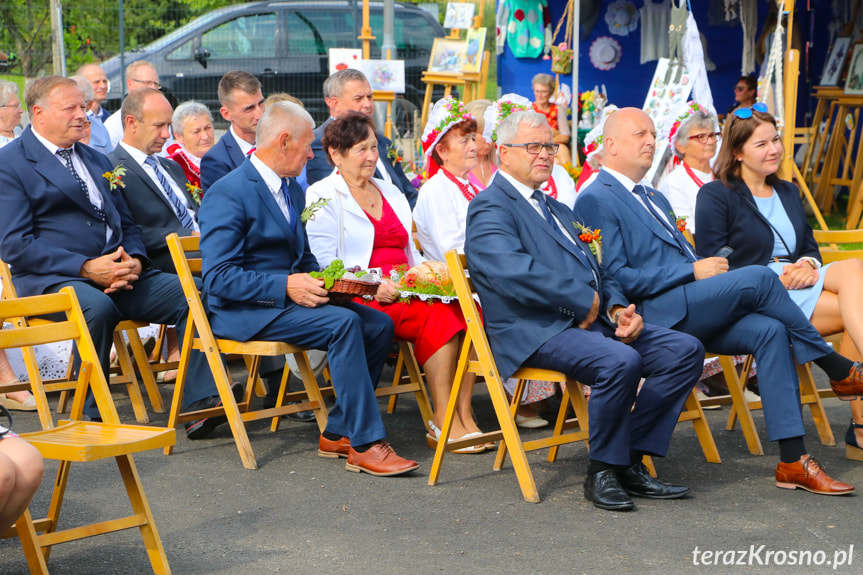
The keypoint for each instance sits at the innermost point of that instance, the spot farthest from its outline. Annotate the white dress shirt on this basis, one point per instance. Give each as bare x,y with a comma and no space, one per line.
274,184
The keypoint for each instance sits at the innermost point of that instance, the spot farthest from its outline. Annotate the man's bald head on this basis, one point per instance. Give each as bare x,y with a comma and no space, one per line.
629,137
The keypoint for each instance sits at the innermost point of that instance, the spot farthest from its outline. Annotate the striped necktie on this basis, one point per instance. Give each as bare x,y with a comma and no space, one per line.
67,157
186,219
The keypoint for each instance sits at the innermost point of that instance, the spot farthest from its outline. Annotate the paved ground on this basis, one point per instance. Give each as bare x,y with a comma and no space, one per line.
301,514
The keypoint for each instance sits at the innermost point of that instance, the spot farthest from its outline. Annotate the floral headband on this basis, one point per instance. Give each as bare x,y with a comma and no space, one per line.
447,112
504,107
690,110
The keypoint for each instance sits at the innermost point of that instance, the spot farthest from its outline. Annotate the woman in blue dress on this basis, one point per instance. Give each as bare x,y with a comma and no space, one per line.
751,210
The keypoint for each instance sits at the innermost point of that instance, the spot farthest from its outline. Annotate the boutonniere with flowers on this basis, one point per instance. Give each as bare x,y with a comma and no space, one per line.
593,239
311,210
115,177
680,223
196,192
394,154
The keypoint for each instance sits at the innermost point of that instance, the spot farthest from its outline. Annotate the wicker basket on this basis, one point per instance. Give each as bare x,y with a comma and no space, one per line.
345,290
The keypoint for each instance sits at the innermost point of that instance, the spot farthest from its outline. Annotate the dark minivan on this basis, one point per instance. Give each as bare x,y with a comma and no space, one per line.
284,44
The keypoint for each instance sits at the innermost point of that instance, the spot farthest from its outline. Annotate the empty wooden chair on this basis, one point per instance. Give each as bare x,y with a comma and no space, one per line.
199,336
80,441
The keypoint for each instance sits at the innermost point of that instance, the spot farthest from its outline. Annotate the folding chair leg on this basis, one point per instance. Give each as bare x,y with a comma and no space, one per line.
500,457
36,561
809,394
702,430
283,388
740,408
558,424
573,395
140,506
127,371
415,374
397,378
143,363
310,383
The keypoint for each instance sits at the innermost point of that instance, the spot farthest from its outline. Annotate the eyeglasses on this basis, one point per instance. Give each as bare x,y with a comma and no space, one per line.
15,105
740,88
704,138
535,147
155,85
744,113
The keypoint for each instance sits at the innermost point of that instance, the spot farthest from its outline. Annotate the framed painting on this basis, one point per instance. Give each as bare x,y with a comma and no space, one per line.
835,61
448,55
854,80
473,53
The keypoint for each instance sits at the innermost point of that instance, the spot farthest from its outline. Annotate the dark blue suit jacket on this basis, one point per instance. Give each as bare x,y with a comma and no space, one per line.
637,250
319,168
248,250
49,227
731,218
533,283
220,159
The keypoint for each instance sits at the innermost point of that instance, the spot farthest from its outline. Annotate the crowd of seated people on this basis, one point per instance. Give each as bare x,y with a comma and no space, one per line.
494,192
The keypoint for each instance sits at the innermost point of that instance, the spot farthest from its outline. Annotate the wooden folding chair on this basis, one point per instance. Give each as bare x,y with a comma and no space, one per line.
476,345
125,372
80,441
199,336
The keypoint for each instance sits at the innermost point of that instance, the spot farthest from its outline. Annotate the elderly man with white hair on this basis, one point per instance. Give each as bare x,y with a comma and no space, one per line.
256,264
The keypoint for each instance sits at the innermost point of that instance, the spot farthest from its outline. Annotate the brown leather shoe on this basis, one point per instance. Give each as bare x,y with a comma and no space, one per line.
379,459
809,475
852,386
334,449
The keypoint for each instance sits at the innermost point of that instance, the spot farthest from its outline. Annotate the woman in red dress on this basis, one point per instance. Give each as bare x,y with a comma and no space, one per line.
366,222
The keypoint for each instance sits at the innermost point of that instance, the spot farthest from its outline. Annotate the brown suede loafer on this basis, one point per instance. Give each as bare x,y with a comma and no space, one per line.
334,449
852,386
379,459
809,475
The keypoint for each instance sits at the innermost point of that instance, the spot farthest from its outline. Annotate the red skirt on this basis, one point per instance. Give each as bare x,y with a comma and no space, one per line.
429,326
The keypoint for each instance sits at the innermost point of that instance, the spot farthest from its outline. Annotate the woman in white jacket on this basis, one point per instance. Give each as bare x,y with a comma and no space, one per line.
366,222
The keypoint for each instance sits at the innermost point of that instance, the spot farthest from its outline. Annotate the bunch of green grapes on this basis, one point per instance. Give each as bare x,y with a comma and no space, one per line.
331,273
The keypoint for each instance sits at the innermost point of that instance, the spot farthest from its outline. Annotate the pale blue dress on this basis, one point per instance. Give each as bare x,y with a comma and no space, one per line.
773,210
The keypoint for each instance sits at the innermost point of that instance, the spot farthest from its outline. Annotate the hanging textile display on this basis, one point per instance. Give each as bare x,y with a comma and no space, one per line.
655,19
696,64
605,53
525,25
749,23
622,17
561,54
773,75
679,15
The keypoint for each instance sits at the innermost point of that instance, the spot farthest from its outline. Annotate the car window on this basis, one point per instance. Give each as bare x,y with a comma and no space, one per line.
316,31
184,52
414,35
252,36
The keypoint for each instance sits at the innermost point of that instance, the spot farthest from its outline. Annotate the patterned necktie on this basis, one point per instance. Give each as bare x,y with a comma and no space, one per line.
292,215
67,157
675,233
186,219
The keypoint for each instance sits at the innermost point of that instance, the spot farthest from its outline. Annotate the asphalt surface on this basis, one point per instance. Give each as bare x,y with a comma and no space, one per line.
302,514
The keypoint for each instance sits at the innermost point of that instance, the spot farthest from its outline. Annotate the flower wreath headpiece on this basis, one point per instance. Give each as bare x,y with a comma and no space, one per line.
495,113
447,112
688,112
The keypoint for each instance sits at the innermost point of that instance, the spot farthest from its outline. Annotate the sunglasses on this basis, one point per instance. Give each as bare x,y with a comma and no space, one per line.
744,113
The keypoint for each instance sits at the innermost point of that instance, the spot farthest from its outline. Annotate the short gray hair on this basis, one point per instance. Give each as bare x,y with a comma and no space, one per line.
85,86
7,90
507,129
279,118
186,110
334,86
699,119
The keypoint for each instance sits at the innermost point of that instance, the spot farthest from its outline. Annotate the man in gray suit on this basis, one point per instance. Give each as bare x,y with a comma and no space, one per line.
154,188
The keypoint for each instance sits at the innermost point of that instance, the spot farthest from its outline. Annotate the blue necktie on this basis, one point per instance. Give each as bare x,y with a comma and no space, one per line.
292,215
539,196
67,157
675,233
186,219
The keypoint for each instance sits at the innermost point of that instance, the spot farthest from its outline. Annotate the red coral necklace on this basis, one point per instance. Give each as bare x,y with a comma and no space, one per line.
692,175
469,191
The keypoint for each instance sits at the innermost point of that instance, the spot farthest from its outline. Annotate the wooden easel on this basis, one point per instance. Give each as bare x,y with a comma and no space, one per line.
839,161
366,37
814,136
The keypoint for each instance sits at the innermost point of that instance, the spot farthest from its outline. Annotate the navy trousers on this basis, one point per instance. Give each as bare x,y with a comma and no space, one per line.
357,341
748,311
156,298
671,363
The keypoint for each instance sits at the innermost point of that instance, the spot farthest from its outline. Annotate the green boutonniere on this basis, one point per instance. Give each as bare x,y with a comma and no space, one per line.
196,192
309,212
115,177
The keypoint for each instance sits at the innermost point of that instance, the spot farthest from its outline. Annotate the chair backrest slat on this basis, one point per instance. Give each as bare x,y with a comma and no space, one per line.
833,239
50,333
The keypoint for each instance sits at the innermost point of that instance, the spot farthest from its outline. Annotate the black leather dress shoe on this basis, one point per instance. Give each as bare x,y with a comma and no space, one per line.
604,490
637,481
201,428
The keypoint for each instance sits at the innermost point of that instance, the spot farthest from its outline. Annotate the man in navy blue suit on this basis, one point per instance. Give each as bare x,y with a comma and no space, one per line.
64,226
242,105
732,312
547,303
256,264
344,91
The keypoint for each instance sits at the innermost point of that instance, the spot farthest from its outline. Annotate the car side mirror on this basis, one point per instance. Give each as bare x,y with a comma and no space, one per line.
201,56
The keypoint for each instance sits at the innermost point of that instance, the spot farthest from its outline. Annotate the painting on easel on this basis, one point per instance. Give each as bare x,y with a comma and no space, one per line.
448,56
475,46
459,15
833,68
854,81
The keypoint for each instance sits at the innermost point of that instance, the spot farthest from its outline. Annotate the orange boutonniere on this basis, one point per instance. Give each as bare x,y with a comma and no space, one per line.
196,192
394,154
681,224
593,238
115,177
